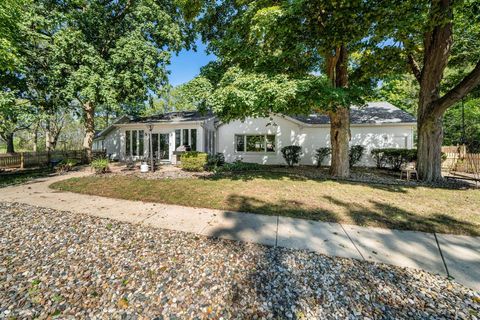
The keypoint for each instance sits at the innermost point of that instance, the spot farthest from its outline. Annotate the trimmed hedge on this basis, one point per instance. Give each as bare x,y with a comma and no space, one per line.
355,154
193,161
393,158
321,154
240,166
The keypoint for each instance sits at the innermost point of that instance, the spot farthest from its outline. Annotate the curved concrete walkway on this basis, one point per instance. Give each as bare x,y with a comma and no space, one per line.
448,255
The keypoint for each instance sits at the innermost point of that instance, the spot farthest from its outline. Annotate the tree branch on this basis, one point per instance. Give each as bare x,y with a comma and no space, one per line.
459,91
415,67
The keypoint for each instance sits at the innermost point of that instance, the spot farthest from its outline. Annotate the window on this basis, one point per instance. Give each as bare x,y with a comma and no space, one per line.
177,138
127,143
141,135
255,143
240,143
134,142
186,137
193,139
270,143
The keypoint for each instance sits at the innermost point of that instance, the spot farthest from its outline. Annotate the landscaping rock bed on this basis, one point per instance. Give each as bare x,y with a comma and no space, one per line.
75,266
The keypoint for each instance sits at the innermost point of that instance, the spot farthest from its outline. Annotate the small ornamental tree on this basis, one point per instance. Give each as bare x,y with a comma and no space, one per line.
291,154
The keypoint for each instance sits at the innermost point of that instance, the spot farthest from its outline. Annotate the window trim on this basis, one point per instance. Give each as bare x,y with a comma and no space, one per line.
264,135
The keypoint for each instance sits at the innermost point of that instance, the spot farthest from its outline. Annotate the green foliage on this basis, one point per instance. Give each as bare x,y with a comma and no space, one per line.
188,96
271,53
12,15
193,161
393,158
215,160
100,165
66,165
355,154
321,154
240,166
453,124
291,154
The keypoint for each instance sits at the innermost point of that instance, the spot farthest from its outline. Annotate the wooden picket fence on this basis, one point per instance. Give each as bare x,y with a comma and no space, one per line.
458,159
43,159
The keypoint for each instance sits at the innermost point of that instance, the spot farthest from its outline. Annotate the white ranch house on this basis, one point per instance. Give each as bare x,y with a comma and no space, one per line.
376,125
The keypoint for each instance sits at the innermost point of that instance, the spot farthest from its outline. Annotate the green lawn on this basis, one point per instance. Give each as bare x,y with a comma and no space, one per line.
398,207
22,176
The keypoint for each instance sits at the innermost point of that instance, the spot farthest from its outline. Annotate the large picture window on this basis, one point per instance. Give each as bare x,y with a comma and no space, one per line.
134,142
254,143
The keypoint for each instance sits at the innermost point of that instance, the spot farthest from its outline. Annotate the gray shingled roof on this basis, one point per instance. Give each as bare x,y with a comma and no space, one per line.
179,116
373,112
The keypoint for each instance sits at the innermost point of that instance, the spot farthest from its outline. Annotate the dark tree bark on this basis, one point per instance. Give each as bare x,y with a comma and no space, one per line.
89,118
340,116
431,106
9,140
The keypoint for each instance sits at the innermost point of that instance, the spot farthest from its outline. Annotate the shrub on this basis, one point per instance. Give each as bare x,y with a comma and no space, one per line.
321,154
66,165
215,160
193,161
394,158
355,154
291,154
239,166
100,165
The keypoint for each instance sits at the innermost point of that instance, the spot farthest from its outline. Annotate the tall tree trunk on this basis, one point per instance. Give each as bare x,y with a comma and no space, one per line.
48,136
339,117
430,137
89,118
339,140
9,140
35,137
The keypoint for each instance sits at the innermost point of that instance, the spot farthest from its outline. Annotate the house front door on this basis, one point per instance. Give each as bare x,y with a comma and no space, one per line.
164,146
160,146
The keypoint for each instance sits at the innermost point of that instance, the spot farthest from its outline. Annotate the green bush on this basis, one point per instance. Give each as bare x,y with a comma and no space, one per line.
393,158
291,154
355,154
239,166
215,160
193,161
321,154
100,165
66,165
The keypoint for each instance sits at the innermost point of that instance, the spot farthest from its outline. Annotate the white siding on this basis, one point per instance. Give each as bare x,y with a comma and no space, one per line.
288,132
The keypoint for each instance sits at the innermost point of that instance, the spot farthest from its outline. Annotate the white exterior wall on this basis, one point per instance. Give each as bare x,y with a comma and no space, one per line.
114,142
288,132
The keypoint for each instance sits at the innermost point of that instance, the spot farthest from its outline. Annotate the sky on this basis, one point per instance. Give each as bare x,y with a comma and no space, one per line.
187,64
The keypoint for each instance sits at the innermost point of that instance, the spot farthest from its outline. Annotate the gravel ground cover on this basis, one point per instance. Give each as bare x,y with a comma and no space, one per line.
58,264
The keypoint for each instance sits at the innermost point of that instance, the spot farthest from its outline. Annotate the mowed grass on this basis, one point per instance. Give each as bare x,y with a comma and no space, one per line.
397,207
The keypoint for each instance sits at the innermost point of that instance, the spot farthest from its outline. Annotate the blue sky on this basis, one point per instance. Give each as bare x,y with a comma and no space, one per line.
187,64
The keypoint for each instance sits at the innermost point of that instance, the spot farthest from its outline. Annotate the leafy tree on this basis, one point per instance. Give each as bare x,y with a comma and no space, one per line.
15,115
188,96
277,49
428,37
11,18
115,52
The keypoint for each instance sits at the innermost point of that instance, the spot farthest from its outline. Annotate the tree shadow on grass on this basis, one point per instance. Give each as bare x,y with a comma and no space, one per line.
286,208
392,217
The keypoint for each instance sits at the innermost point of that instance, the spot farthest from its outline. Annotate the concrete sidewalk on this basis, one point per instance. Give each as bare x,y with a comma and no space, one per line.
448,255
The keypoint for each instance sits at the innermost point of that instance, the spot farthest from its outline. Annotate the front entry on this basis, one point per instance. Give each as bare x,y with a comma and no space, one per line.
161,146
